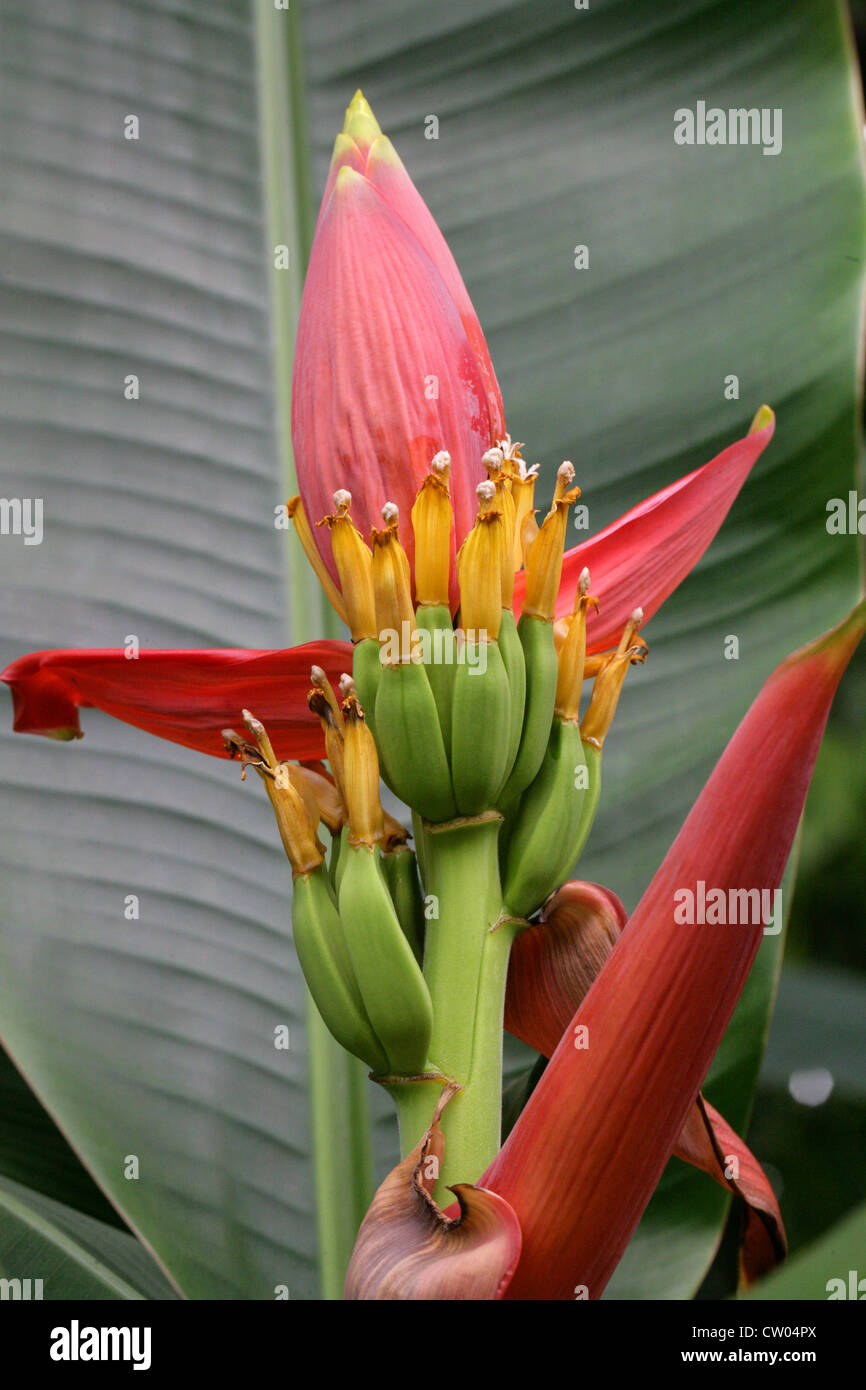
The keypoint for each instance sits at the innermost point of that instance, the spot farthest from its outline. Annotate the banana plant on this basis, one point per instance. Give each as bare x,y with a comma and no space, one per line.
473,631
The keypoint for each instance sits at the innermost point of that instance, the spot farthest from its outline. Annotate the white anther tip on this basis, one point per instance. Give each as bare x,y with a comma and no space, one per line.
342,498
390,512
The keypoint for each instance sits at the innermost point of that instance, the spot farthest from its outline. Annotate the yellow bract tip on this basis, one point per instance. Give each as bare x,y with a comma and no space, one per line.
382,152
347,178
764,417
360,124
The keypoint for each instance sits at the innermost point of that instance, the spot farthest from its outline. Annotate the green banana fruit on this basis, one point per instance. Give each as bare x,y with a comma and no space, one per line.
590,800
327,967
401,875
366,670
539,652
410,744
481,731
392,986
420,837
545,830
341,848
440,660
511,651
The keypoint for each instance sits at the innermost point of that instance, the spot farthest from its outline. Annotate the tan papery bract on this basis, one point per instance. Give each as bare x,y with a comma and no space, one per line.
408,1249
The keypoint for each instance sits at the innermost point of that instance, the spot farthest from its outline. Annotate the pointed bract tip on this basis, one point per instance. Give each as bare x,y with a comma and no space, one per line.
763,417
382,151
347,179
360,123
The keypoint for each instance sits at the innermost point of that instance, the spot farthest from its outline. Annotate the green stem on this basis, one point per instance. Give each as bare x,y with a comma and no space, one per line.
465,965
342,1163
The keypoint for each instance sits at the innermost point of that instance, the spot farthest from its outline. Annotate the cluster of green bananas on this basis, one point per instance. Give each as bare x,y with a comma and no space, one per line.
487,717
471,720
357,914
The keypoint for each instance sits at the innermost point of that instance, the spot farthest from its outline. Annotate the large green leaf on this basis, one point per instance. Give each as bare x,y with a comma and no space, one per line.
836,1257
155,1037
151,1037
33,1151
67,1255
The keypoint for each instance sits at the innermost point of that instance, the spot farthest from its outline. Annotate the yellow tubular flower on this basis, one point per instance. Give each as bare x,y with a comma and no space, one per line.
298,518
561,629
432,519
392,588
494,462
324,793
318,792
544,560
303,847
523,492
321,682
479,568
297,826
608,685
629,631
323,702
521,484
355,567
366,819
572,656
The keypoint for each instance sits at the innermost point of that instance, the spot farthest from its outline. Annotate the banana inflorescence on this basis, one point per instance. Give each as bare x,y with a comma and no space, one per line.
473,720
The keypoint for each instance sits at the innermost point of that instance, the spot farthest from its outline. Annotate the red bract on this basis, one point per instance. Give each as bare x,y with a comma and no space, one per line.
552,968
650,549
391,365
657,1011
186,697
